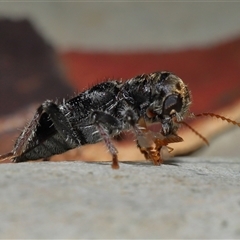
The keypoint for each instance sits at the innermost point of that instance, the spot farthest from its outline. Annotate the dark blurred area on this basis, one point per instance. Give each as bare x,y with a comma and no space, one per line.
29,67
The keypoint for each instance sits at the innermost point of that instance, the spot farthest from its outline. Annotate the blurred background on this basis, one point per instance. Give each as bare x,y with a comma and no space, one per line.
49,50
124,26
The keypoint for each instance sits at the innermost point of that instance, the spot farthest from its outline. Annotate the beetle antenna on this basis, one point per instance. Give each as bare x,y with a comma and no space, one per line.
219,117
197,133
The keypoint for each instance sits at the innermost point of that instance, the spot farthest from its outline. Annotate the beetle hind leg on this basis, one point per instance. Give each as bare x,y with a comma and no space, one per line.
27,146
61,123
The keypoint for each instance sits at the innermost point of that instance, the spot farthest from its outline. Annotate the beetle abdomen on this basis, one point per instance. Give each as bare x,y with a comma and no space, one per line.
51,146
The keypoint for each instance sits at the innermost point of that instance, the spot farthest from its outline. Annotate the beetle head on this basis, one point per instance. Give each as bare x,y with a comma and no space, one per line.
170,101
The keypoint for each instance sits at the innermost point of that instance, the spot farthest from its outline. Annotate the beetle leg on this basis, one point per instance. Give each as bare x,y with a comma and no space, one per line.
104,121
26,135
60,122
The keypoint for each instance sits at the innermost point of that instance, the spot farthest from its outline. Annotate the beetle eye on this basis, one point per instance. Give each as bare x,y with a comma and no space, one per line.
172,102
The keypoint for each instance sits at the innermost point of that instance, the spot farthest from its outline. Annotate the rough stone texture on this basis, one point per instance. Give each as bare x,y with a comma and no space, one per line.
186,198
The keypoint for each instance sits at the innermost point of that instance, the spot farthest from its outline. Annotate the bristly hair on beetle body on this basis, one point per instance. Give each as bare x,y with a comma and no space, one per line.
104,111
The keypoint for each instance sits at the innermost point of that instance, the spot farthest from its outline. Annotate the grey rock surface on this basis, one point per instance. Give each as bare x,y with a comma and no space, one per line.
192,197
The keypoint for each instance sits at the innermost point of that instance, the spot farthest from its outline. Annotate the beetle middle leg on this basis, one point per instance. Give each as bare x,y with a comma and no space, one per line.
105,124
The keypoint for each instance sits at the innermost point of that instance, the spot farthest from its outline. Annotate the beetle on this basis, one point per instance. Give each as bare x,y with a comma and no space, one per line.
104,111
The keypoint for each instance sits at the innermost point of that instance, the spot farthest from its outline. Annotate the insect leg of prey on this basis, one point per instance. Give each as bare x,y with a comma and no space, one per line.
154,144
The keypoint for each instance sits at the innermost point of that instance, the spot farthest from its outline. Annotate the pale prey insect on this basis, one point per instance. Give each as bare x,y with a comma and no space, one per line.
104,111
